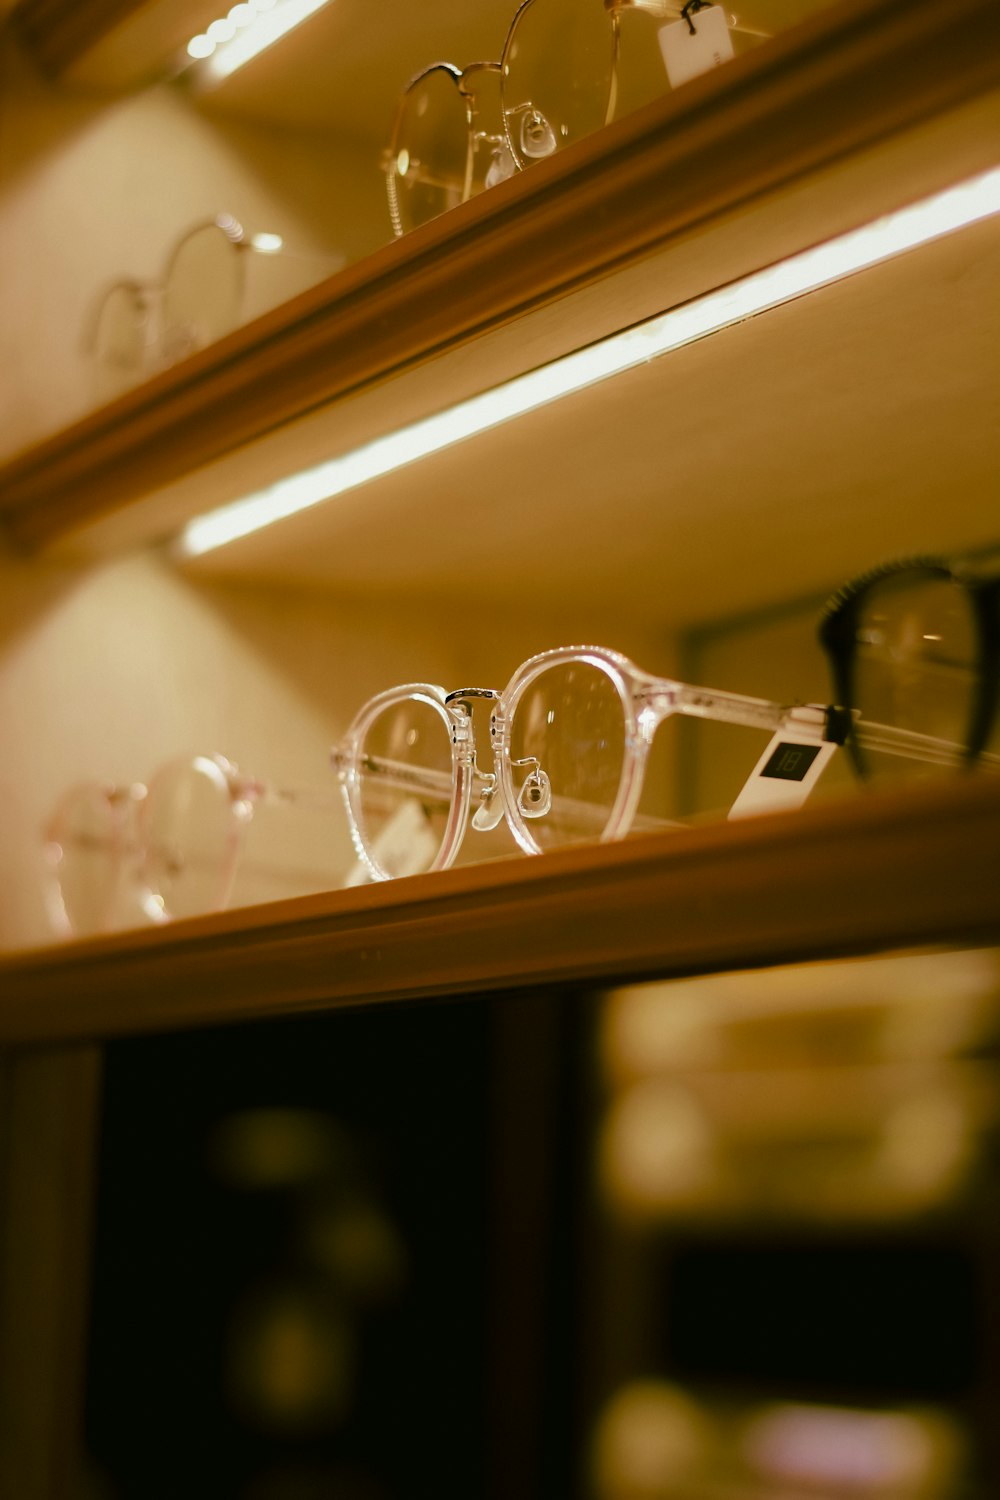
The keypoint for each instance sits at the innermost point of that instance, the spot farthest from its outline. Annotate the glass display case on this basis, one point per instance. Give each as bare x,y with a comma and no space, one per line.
483,1181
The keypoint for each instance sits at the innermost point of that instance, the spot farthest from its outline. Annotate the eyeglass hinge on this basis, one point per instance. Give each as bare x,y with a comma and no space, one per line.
839,723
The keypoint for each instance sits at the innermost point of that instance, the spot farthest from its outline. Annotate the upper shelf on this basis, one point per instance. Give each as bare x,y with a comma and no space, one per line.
908,869
854,112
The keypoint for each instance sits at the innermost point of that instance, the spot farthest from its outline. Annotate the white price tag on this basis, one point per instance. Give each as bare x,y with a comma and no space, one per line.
784,776
688,53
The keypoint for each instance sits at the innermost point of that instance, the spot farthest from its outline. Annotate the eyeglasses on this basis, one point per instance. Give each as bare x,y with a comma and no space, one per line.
140,326
917,644
447,142
562,66
457,131
169,848
570,737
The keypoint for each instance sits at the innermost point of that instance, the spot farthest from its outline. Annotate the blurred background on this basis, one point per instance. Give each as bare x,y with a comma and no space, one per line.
726,1238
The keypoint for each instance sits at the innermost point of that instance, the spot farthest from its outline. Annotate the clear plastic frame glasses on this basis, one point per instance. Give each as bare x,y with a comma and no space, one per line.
917,644
141,326
167,848
569,741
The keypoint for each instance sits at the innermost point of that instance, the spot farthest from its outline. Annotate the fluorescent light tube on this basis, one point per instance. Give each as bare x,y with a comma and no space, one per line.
954,208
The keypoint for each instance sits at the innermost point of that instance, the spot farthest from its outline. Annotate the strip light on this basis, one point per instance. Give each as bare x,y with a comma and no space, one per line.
246,30
954,208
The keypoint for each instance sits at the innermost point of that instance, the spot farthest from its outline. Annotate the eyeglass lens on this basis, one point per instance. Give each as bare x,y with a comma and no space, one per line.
403,827
122,335
567,748
188,835
916,656
86,842
559,69
429,165
203,291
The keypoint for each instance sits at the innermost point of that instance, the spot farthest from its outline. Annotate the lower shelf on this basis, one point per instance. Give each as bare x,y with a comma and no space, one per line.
907,869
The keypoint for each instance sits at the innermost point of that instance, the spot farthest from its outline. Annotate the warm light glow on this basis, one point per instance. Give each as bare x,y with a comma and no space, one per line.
657,1151
200,46
245,31
652,1439
885,1452
956,207
221,31
267,244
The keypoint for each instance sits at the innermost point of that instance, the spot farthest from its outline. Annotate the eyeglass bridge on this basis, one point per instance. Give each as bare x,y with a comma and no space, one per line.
490,810
466,696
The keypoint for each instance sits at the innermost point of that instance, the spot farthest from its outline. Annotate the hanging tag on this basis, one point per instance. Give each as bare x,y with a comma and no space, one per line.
784,776
688,53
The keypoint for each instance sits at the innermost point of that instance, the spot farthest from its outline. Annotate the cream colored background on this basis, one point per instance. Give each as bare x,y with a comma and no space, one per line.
94,189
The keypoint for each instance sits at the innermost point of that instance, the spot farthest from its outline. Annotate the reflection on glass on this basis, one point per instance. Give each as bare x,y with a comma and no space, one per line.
794,1165
828,1093
655,1440
293,1341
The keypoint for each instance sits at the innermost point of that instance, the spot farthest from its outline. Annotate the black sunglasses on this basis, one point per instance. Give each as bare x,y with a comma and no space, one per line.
916,644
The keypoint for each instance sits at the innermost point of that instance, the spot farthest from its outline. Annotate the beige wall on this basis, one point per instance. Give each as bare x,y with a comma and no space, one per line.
95,189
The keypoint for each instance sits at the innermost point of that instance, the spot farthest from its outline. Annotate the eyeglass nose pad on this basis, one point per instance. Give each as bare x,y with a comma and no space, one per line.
537,136
501,167
535,797
489,812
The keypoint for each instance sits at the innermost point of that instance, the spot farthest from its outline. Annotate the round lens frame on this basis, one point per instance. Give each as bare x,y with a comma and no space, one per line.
122,335
531,136
114,808
199,309
620,673
397,161
459,730
238,796
838,629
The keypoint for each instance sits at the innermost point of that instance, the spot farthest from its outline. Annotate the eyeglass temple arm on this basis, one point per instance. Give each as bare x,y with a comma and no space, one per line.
825,722
909,744
288,796
822,723
665,9
395,773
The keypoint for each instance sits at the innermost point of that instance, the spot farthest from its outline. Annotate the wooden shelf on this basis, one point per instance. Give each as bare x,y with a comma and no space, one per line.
846,81
870,873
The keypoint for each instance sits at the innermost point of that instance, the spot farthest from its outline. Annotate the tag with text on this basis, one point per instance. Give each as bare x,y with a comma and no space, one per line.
783,777
687,53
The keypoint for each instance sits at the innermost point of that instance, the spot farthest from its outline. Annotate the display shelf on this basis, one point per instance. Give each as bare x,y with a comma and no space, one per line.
856,875
855,112
641,216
